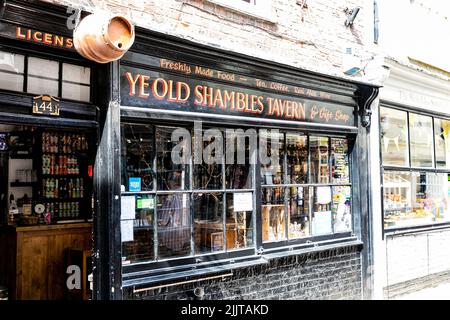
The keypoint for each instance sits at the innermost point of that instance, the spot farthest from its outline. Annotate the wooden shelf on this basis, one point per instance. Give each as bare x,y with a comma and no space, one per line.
22,184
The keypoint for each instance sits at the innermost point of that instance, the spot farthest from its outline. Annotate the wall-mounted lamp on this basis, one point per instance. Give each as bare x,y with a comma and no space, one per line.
351,15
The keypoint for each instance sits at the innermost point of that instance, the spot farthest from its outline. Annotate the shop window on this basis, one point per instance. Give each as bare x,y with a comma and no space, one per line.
415,198
43,76
311,199
421,140
76,82
201,207
174,225
189,214
442,143
394,137
418,195
11,71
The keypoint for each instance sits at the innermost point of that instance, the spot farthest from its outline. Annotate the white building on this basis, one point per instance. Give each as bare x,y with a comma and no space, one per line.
410,155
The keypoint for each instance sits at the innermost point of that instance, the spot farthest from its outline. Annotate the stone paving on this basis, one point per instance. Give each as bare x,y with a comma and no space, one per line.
439,292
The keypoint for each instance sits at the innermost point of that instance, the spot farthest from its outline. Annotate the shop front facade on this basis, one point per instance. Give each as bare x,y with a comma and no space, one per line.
208,174
49,127
226,220
413,154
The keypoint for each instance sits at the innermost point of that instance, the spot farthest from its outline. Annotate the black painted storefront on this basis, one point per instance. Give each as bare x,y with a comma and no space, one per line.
252,273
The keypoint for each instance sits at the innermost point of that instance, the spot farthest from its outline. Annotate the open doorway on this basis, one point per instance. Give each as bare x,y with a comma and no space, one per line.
46,209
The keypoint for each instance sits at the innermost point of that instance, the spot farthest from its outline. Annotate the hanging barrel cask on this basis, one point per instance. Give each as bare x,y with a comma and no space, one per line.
102,37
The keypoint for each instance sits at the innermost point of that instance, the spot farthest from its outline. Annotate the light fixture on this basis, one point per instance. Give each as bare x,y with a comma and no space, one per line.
351,15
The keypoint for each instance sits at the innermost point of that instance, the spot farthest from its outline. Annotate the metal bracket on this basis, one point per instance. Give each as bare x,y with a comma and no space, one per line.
366,96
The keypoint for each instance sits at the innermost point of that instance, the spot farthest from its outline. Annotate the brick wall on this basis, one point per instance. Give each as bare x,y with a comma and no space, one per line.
330,274
312,38
414,260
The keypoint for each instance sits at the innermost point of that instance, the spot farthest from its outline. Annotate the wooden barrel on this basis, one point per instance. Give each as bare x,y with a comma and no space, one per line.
103,38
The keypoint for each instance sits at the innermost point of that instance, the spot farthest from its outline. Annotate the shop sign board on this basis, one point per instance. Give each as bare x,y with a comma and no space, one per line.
188,88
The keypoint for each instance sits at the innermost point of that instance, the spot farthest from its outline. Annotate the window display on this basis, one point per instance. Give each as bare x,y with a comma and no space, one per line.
273,214
214,207
339,161
320,166
174,225
298,212
272,172
297,158
208,222
412,196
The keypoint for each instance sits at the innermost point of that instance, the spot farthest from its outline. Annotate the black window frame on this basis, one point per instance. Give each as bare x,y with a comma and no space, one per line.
409,168
137,269
60,61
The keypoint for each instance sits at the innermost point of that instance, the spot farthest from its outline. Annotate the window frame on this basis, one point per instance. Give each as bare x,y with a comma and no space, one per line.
60,81
411,169
259,247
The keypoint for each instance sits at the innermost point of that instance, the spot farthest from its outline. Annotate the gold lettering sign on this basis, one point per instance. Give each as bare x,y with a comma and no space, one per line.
46,104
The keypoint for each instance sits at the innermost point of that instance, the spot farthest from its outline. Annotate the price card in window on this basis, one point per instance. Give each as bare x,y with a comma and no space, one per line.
242,201
128,208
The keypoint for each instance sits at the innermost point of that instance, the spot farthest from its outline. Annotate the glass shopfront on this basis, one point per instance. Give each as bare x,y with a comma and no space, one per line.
239,189
416,173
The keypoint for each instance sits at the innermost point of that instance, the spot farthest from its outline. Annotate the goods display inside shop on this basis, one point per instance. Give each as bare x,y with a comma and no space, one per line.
415,198
49,175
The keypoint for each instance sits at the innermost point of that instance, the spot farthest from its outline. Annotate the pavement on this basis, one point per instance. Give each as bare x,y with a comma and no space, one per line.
439,292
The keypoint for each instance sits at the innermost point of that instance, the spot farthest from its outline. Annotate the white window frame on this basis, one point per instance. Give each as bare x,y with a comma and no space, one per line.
261,9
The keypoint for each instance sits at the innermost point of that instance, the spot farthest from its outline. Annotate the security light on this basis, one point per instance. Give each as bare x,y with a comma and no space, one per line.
351,15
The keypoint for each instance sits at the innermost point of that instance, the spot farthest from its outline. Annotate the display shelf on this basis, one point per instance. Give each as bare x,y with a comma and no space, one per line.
22,184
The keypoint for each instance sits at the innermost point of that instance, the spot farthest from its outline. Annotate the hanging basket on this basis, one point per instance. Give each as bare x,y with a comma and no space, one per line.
102,37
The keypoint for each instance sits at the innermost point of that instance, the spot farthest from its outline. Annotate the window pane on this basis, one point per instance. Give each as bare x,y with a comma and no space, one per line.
11,62
298,212
240,155
442,197
137,157
171,175
339,160
42,86
208,222
141,247
320,167
342,209
394,137
239,226
297,158
11,71
76,92
442,141
421,135
208,175
74,73
9,81
321,218
43,68
271,156
174,225
273,214
426,192
397,198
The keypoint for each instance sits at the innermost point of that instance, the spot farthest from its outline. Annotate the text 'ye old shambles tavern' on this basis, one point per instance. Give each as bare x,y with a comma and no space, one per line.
89,179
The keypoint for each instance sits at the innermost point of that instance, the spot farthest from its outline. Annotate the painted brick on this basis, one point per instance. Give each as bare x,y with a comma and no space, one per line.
311,38
322,281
